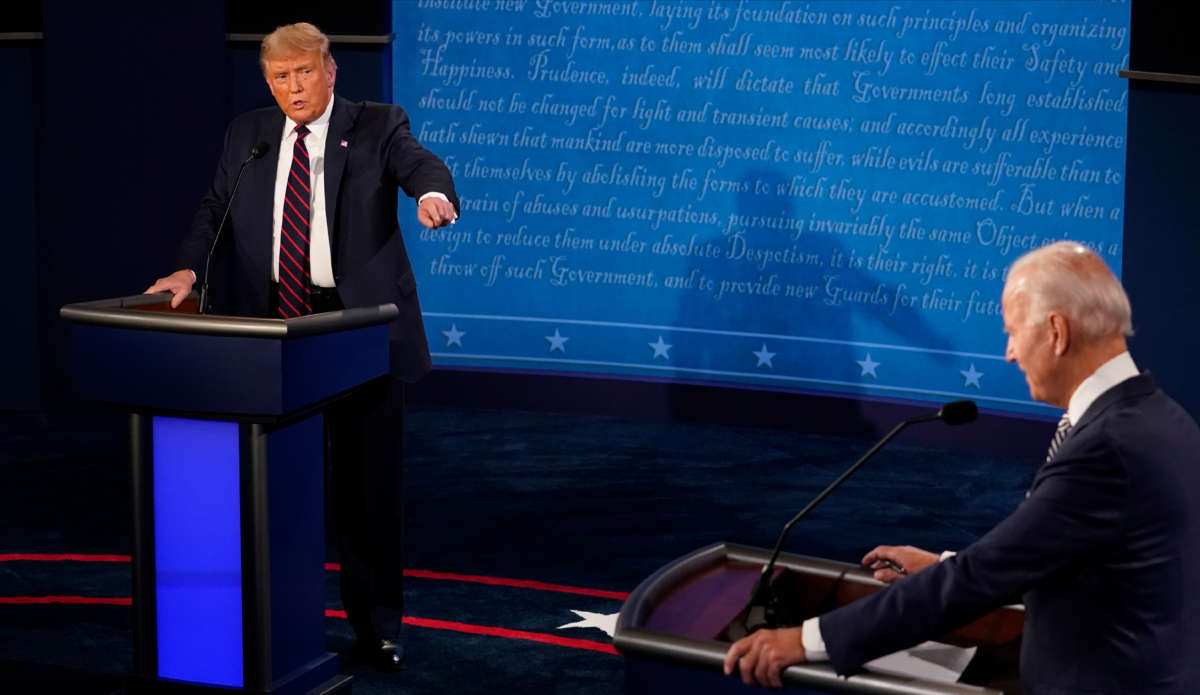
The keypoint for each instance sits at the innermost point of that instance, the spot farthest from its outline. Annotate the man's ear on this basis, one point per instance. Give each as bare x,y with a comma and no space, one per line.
1060,332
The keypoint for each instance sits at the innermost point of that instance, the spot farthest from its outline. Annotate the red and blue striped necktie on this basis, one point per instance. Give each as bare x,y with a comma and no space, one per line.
293,239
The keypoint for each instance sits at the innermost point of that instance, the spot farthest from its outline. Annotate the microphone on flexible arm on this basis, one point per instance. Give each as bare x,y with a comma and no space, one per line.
256,152
764,597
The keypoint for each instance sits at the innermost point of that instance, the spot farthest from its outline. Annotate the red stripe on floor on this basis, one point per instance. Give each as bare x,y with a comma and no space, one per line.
74,600
499,632
519,583
333,566
332,613
504,581
61,557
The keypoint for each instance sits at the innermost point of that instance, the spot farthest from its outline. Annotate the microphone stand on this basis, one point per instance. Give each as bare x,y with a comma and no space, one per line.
255,153
763,595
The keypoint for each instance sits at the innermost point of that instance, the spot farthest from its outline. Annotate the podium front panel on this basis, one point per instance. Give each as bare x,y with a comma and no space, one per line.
198,551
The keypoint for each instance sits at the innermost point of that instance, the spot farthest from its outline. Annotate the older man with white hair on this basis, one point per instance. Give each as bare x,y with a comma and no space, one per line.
1105,548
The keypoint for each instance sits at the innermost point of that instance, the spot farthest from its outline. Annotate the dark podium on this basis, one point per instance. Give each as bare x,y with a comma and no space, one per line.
672,628
227,443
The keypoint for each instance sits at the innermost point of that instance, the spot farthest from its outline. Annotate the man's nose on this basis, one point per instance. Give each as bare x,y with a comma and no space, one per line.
294,83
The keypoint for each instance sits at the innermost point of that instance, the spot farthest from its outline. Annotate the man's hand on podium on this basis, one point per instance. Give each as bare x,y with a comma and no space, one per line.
178,283
761,657
891,562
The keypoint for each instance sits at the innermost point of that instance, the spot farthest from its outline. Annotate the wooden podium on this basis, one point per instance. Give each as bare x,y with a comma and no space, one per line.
673,627
227,443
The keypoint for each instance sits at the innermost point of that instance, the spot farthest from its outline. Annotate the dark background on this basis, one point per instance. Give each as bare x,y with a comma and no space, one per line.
114,115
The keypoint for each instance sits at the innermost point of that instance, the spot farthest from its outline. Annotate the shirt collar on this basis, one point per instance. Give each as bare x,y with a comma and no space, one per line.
317,127
1109,374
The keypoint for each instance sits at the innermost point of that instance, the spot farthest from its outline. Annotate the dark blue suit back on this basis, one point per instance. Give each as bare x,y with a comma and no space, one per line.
1104,552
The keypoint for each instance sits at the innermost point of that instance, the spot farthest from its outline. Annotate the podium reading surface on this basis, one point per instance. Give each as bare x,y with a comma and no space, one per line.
673,627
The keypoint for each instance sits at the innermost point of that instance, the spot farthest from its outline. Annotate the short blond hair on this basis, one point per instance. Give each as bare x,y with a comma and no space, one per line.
294,39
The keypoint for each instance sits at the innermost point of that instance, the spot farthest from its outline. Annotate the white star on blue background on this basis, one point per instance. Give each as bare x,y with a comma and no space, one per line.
557,342
868,366
600,621
454,336
971,377
660,349
764,357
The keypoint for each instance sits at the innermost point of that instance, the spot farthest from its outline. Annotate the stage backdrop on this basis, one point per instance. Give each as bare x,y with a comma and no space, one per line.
788,195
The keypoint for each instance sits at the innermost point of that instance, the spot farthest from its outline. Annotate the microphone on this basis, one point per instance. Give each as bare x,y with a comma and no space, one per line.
763,596
256,152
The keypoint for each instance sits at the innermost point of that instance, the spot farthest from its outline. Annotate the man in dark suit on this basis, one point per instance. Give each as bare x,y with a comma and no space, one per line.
1104,550
313,228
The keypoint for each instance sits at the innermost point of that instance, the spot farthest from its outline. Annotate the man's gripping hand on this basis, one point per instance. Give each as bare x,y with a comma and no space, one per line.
761,657
178,283
891,562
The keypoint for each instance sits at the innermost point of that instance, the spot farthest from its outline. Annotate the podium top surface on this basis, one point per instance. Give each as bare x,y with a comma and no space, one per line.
676,616
152,312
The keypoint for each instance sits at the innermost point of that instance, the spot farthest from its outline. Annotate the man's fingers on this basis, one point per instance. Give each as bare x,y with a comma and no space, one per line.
747,664
435,212
886,575
427,218
736,650
879,554
775,676
762,668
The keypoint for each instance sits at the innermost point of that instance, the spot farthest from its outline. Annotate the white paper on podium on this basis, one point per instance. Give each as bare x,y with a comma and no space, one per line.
932,661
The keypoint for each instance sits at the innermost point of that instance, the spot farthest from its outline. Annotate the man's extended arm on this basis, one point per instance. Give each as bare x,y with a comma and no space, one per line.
420,173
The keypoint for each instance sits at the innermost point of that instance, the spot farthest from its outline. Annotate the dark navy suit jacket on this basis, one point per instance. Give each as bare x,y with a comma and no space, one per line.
1104,552
369,154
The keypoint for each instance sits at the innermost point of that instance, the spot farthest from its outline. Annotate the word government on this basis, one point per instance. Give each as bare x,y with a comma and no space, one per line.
543,9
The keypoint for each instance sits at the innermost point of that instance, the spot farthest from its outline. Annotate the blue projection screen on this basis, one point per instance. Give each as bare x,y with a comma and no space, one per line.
784,195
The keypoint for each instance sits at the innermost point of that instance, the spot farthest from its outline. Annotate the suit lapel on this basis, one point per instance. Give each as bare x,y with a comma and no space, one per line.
337,150
259,185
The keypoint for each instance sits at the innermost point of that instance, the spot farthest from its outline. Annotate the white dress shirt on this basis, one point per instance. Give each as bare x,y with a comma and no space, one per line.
1111,373
320,262
319,254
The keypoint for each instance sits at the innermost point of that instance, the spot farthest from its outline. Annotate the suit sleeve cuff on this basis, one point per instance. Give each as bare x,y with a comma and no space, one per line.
812,641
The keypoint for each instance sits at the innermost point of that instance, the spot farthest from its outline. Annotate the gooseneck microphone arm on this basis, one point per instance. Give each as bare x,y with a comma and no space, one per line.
955,413
255,152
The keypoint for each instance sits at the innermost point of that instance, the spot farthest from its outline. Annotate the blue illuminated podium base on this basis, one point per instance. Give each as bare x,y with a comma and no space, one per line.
229,566
228,462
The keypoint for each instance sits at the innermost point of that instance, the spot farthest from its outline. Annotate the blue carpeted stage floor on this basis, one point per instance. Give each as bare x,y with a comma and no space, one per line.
514,522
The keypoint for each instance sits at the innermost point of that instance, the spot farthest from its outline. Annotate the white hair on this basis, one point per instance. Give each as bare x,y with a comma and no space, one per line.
1069,278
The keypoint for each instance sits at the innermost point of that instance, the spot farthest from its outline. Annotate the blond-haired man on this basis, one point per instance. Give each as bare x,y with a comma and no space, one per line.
314,228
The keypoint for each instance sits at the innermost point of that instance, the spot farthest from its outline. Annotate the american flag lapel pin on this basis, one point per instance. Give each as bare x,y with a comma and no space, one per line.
344,143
